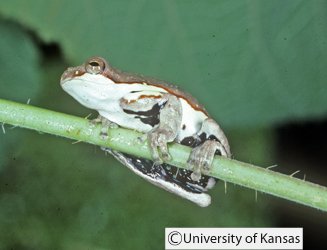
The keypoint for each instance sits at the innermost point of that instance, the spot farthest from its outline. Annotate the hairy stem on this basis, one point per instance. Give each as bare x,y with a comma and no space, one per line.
128,141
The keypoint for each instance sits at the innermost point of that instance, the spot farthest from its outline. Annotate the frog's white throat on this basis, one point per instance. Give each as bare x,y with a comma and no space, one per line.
91,91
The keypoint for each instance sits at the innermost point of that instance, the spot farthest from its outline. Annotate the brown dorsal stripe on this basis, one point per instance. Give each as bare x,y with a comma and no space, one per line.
119,76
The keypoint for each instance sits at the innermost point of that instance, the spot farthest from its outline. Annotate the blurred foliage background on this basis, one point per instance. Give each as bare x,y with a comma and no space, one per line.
258,66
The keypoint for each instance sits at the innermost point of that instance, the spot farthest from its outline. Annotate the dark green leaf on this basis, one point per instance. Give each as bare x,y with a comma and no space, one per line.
19,76
19,71
250,62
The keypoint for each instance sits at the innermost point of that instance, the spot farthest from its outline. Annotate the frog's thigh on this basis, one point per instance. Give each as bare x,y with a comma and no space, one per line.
138,105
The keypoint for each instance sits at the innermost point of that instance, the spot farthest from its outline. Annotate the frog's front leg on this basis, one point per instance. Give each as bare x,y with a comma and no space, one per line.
213,139
105,125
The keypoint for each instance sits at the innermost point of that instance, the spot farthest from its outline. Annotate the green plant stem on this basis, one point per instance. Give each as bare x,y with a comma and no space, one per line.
128,141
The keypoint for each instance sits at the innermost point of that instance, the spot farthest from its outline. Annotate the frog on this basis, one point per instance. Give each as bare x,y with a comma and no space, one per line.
160,110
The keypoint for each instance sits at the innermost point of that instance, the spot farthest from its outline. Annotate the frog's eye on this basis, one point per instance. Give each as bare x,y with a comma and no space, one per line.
95,66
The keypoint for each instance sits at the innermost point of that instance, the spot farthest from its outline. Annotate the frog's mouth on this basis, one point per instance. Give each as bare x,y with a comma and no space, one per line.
72,73
91,93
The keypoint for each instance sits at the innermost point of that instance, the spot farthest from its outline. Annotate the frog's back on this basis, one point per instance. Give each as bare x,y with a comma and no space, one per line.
123,77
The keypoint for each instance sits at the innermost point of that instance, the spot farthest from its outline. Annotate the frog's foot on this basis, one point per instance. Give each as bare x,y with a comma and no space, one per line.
158,139
105,125
201,158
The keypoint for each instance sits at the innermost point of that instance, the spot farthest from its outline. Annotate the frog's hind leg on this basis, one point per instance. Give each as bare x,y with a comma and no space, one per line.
168,177
212,139
163,113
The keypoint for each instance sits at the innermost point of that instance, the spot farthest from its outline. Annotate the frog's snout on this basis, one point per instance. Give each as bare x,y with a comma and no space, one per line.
71,73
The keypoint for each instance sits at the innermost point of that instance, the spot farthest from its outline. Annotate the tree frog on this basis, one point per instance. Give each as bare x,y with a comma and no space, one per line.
164,113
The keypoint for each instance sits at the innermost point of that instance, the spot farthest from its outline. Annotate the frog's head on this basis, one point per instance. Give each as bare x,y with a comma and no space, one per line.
89,83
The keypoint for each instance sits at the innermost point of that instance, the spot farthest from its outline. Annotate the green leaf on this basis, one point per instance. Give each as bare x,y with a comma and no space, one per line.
19,76
19,71
250,62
